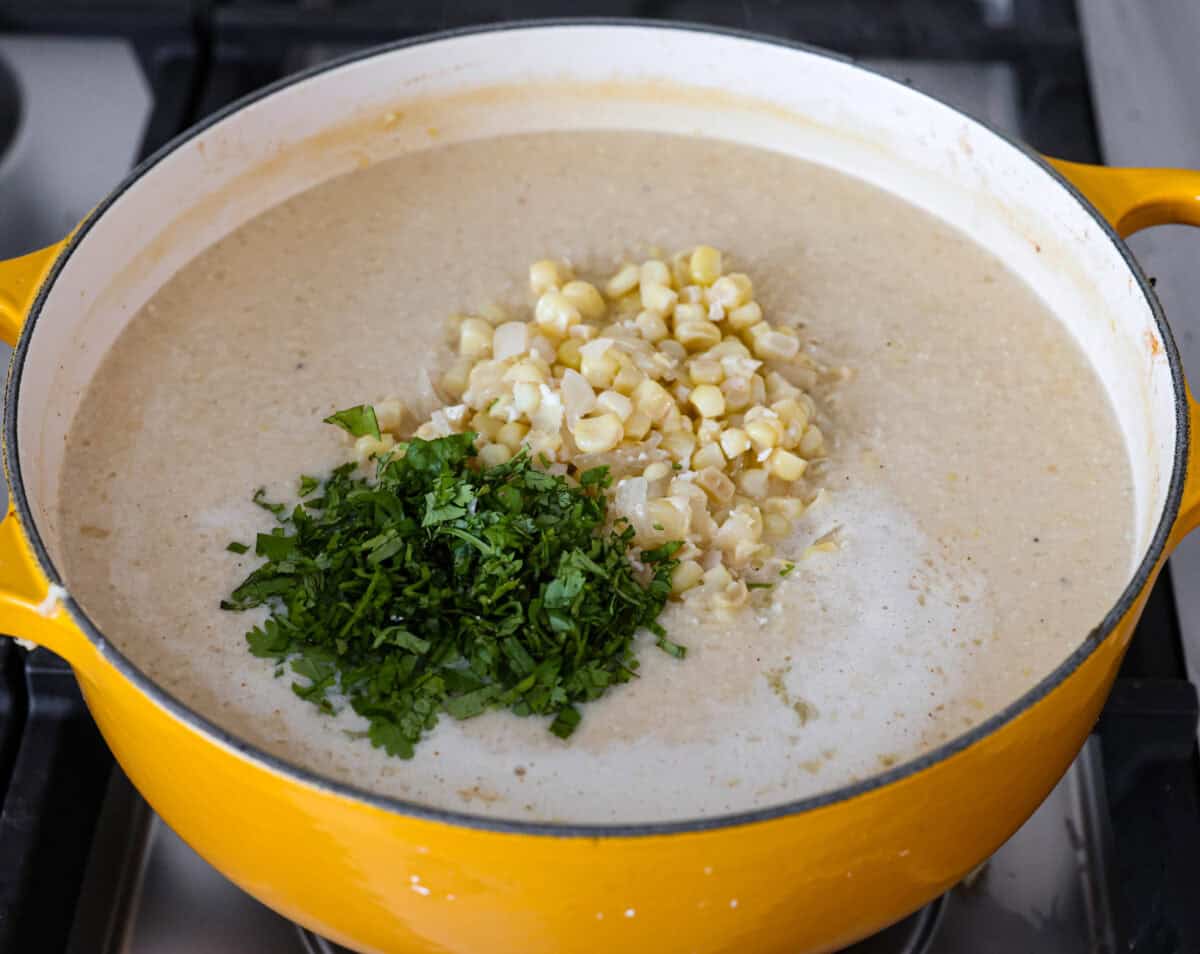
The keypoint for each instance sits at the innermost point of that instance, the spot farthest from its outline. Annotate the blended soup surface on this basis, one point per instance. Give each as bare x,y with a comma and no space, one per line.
977,480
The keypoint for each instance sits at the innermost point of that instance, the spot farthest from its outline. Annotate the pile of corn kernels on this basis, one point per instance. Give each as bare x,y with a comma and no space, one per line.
671,376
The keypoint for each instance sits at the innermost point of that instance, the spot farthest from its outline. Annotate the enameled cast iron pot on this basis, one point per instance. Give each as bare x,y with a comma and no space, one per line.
804,877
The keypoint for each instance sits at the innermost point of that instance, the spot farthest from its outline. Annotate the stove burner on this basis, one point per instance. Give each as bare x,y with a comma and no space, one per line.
913,935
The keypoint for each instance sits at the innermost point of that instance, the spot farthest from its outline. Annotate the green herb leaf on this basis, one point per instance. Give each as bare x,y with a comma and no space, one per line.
566,722
308,485
438,586
786,569
235,547
670,648
358,421
274,546
759,586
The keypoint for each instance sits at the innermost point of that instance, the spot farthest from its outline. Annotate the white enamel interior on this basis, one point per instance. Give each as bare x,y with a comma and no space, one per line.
555,77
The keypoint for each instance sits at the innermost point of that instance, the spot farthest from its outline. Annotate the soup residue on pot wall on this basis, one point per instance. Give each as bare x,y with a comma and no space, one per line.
978,481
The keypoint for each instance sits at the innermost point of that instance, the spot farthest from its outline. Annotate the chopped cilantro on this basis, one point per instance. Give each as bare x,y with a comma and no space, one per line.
786,569
358,421
759,586
235,547
442,587
308,485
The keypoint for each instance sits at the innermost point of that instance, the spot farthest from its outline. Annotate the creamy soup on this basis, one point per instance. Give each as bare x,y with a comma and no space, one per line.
978,484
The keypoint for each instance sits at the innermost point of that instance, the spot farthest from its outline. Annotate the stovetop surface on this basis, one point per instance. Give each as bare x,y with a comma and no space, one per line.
1110,861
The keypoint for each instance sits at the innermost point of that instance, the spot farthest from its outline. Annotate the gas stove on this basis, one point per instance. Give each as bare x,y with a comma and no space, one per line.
1110,861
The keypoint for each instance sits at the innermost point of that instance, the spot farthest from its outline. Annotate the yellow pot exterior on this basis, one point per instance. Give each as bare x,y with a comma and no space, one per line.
380,880
807,882
810,882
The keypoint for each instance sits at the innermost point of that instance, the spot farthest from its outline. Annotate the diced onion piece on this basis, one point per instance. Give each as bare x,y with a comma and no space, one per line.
510,339
578,397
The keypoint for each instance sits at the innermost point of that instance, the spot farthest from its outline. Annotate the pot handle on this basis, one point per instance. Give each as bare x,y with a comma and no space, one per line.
20,279
1132,200
29,609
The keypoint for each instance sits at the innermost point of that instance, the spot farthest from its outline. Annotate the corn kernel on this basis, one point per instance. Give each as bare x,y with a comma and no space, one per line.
672,520
652,398
586,298
734,442
391,415
708,400
674,420
658,298
475,338
780,388
787,466
527,370
652,326
616,403
775,346
622,283
731,291
568,353
512,434
656,471
758,389
705,265
754,482
744,316
737,394
597,435
680,445
708,431
599,369
501,409
790,411
555,314
369,446
709,455
628,378
494,314
812,444
543,443
688,312
717,577
791,508
754,333
684,577
715,483
681,273
764,433
697,335
456,380
655,272
546,276
485,426
493,455
706,371
638,425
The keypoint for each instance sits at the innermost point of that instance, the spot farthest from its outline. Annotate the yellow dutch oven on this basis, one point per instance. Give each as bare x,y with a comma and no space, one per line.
809,876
